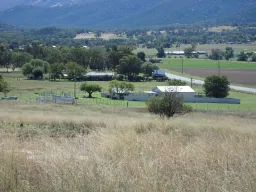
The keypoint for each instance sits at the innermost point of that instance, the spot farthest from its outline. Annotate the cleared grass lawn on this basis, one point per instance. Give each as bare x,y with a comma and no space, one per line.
27,90
207,47
169,63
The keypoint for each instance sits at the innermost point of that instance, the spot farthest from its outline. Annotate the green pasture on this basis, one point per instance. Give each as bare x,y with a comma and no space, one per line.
171,63
205,47
27,90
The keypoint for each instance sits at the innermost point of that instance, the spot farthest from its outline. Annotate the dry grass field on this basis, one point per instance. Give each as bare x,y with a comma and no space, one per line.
221,28
92,148
105,36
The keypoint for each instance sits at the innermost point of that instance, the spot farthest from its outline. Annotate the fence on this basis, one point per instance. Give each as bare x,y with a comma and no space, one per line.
212,100
49,97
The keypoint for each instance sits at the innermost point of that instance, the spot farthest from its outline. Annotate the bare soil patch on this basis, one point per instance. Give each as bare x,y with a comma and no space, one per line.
238,76
105,36
221,28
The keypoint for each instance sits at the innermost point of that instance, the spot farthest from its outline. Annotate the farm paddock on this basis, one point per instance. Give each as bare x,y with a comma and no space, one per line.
238,76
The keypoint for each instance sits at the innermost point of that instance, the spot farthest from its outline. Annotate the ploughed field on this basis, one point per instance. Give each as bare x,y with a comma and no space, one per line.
238,76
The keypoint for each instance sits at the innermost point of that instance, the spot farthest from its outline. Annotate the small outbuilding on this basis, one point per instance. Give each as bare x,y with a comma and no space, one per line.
159,73
186,91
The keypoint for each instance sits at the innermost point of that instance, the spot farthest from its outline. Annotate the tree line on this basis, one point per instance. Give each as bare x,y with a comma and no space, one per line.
36,59
154,37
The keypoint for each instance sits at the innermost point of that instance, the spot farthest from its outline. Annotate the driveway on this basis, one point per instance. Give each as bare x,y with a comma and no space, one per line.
200,82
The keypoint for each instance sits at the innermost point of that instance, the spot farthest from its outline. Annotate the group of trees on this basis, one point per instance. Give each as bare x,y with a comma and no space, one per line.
36,60
117,86
154,37
228,53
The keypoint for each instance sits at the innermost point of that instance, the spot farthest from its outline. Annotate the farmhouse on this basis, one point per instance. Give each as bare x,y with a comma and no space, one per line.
186,91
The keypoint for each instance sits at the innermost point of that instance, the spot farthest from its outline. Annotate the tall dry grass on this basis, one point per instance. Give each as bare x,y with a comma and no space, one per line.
130,152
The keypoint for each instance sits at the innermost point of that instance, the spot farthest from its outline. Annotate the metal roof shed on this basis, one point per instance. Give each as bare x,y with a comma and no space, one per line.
186,91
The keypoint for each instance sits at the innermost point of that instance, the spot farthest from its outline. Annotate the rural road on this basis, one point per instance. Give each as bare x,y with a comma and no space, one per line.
200,82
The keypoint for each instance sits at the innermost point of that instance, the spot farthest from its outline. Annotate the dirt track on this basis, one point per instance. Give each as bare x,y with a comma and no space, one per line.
238,76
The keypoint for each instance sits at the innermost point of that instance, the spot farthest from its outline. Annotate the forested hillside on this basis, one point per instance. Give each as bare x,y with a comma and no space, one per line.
132,13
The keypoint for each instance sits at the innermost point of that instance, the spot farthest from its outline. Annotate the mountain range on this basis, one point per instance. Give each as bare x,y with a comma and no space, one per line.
125,13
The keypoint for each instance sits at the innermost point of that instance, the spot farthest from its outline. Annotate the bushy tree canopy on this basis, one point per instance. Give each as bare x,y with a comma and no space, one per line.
188,52
168,105
215,86
120,85
142,56
4,86
242,56
176,82
130,65
216,54
148,68
160,52
90,88
35,68
229,53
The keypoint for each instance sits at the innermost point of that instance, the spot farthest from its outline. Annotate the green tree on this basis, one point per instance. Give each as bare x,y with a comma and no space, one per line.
114,56
242,56
53,55
38,72
142,56
81,56
176,82
74,70
126,49
193,46
216,54
160,52
27,69
119,86
188,52
56,70
5,57
229,53
215,86
130,65
148,68
19,59
4,86
253,57
90,88
36,49
35,67
98,59
168,105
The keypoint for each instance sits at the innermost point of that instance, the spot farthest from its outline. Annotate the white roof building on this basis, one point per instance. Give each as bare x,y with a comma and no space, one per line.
93,73
186,91
179,89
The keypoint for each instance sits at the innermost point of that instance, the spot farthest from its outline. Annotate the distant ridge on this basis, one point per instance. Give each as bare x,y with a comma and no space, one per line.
129,13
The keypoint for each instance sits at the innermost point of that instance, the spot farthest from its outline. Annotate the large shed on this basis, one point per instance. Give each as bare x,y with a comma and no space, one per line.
186,91
100,76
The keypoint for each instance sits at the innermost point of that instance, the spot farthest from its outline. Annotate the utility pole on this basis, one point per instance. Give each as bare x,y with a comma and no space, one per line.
75,86
219,67
191,83
182,65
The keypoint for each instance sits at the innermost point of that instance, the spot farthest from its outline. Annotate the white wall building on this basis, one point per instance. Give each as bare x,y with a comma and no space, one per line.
145,96
186,91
